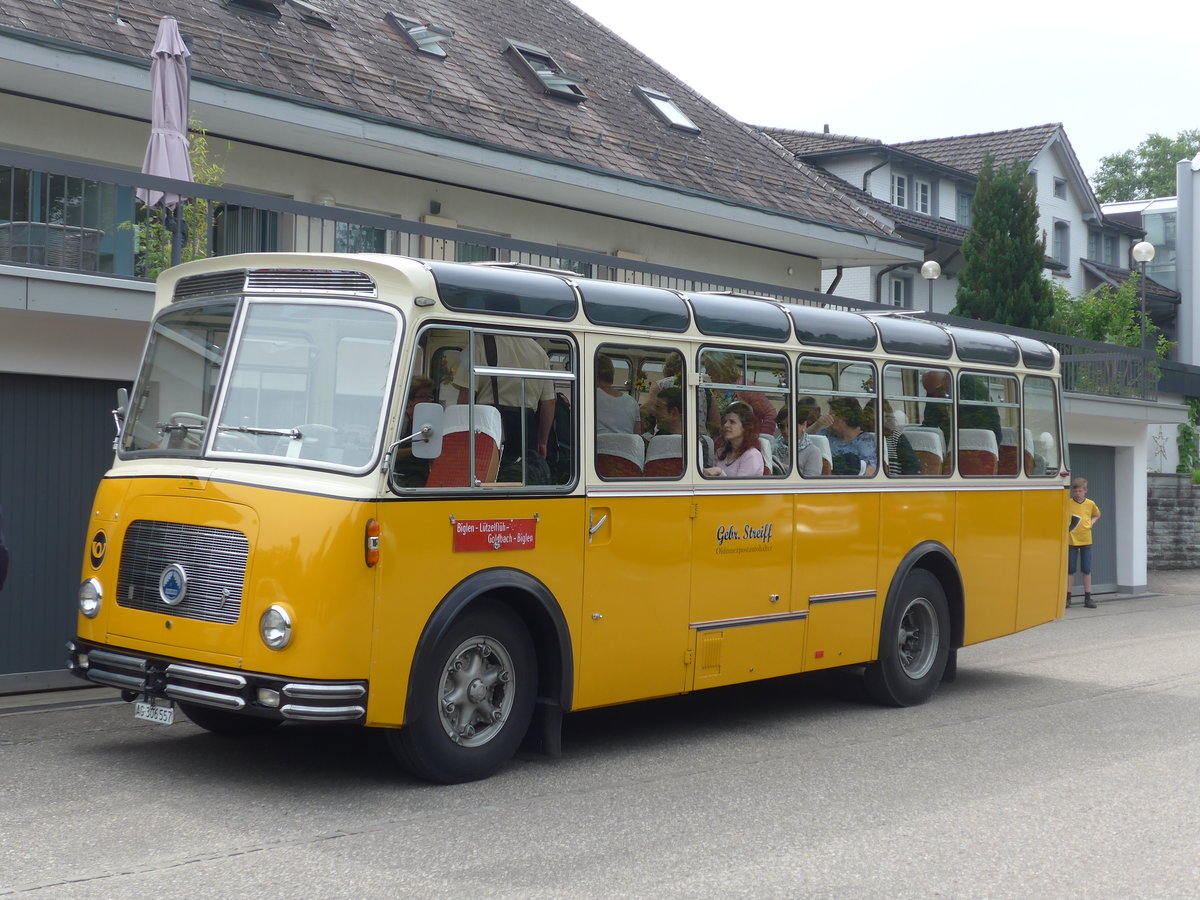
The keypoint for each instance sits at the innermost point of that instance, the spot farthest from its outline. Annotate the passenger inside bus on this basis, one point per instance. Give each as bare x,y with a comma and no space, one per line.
510,351
937,415
739,455
809,458
668,411
851,445
726,368
901,458
672,369
616,411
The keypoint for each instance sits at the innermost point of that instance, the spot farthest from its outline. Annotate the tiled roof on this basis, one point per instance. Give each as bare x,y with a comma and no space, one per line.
364,66
967,152
1118,275
805,142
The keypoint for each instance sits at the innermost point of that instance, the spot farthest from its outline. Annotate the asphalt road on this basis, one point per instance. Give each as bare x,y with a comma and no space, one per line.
1064,762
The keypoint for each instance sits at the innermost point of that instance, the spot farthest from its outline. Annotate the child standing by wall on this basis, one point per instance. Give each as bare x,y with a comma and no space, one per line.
1084,514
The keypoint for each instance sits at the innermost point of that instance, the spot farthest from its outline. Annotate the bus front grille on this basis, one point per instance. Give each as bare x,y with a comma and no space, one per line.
213,563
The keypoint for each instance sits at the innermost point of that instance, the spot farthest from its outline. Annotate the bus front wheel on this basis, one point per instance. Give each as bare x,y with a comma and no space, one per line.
473,699
914,643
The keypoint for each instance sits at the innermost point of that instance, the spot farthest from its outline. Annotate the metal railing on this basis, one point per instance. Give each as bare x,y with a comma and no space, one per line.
83,217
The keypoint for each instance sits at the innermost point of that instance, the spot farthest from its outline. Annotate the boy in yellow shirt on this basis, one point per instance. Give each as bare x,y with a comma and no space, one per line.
1084,514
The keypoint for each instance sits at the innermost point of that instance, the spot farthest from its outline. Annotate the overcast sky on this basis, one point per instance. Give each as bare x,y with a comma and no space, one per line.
902,72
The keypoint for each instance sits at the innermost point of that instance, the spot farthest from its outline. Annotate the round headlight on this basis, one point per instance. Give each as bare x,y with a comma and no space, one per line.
275,628
90,595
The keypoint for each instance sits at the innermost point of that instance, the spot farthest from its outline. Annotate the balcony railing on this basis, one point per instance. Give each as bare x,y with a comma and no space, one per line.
83,217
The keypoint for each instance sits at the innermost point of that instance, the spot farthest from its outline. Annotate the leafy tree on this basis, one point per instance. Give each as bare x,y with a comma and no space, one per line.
1004,253
1108,314
154,238
1147,171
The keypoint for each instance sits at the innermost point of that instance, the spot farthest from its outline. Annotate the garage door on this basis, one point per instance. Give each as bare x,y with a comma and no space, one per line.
1098,466
56,438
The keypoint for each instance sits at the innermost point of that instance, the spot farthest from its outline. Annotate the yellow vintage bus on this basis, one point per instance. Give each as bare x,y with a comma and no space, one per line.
455,502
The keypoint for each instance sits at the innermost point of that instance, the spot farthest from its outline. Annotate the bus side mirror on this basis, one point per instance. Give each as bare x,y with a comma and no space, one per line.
427,430
120,412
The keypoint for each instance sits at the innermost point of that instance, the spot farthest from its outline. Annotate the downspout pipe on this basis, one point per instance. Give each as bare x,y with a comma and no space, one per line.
836,278
879,280
867,174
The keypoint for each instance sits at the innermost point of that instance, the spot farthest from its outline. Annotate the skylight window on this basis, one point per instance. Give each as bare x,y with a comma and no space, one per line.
312,14
666,109
424,37
540,69
265,8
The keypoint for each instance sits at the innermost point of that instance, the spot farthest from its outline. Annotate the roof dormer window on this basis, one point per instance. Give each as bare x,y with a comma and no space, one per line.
424,37
664,107
540,69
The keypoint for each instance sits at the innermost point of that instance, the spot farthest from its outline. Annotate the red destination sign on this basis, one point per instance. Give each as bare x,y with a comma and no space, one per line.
472,535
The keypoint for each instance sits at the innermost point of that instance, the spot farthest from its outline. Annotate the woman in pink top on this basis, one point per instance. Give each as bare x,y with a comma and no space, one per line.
739,456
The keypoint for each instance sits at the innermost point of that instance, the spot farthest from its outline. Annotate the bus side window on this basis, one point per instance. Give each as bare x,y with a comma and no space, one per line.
637,399
753,388
841,404
520,424
1042,454
917,414
988,424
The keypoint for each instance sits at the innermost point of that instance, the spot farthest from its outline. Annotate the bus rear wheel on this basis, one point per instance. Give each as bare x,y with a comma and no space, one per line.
914,643
473,699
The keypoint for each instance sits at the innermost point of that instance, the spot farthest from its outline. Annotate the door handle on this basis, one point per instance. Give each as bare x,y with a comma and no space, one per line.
597,526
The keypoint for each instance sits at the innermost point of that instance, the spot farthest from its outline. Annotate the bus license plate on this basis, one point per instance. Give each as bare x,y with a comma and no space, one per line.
161,715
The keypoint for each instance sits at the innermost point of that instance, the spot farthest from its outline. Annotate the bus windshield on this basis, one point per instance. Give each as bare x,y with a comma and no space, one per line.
307,381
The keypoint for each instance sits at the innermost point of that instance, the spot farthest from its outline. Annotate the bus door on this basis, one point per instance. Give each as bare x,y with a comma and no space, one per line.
637,527
743,623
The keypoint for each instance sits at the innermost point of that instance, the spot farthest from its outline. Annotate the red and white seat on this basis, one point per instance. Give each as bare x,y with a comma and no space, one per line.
978,453
620,455
453,467
664,456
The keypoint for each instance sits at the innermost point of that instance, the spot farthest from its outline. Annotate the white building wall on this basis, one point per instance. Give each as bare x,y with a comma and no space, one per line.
1070,210
1123,425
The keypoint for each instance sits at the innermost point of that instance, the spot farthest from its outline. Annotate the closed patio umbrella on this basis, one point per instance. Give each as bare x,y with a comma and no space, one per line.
167,152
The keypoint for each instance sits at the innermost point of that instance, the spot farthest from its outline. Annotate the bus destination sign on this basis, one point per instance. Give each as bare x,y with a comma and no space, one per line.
474,535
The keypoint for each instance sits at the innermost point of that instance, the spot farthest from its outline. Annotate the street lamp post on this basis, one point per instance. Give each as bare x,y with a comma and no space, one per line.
930,270
1143,252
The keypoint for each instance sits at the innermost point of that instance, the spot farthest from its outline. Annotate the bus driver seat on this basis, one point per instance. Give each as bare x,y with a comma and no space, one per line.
451,469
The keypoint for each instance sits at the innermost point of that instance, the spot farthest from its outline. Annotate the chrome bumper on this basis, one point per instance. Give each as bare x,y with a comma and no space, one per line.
252,693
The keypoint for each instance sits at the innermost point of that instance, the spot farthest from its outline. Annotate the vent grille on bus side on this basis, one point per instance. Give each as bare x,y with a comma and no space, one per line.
327,282
310,281
218,284
213,558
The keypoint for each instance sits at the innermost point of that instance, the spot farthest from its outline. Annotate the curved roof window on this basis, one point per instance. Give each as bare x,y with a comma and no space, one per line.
723,315
901,334
832,328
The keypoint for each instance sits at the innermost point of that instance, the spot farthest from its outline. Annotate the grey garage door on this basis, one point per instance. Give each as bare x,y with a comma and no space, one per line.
1098,466
55,442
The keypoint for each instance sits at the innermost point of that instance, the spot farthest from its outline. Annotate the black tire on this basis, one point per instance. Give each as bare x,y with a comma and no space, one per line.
226,723
473,699
914,643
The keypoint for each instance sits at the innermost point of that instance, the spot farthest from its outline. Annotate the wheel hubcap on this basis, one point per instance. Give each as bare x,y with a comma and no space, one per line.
476,695
918,638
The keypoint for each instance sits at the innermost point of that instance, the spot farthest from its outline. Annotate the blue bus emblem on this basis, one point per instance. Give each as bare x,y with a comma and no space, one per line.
172,584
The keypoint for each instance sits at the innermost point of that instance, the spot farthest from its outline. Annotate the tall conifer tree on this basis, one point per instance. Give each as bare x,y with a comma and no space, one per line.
1003,253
